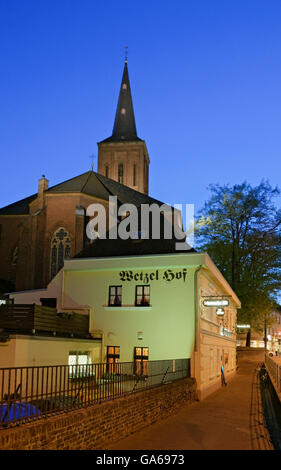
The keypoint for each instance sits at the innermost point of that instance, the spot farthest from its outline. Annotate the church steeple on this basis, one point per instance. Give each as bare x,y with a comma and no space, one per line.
123,156
124,128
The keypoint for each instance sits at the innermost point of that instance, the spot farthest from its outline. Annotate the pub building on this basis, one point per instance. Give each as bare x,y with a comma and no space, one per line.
109,301
143,304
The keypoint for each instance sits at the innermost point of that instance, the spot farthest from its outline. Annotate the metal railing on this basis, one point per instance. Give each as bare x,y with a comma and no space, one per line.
275,370
29,393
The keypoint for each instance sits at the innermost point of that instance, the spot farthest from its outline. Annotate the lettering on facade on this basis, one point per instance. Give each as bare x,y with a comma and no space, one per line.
168,275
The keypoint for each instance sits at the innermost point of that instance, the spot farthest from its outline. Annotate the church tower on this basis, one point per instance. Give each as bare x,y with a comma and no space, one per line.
123,157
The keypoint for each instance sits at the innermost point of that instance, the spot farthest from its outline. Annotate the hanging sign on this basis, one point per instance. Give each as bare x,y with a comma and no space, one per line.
216,302
220,312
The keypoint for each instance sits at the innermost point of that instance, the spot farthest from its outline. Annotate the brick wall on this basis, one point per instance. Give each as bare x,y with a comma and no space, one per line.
99,425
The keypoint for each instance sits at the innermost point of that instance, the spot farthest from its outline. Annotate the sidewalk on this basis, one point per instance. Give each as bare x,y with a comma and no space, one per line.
229,419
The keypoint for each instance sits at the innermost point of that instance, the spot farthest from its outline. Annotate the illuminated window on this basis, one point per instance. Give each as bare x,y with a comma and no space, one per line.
112,357
115,296
142,296
60,250
141,361
79,362
120,173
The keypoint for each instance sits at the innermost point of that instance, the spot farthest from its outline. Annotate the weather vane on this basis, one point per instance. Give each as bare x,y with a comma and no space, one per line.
126,53
92,157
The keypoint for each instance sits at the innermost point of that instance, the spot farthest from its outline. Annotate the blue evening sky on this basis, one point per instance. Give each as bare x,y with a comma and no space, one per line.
205,78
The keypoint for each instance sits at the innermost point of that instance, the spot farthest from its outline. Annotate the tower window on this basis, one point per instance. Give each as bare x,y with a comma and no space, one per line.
135,175
123,110
120,173
106,171
124,86
15,256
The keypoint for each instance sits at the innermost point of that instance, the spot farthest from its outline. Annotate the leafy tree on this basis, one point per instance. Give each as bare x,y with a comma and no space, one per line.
239,227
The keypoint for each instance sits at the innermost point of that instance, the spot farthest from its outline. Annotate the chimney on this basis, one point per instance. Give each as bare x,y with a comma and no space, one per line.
42,187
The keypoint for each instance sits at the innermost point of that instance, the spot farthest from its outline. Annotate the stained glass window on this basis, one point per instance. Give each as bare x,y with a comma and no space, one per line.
60,250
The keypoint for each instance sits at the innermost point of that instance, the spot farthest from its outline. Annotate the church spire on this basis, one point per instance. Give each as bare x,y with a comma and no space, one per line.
124,128
123,156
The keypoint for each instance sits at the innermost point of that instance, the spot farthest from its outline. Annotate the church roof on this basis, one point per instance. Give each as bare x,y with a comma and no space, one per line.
97,185
124,129
90,183
100,248
18,208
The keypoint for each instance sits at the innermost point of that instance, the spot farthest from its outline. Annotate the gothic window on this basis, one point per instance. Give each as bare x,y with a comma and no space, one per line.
120,173
60,250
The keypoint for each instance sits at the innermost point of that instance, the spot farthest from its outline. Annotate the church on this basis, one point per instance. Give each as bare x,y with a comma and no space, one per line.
39,232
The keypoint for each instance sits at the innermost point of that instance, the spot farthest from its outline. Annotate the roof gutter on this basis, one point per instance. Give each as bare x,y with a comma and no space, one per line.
196,272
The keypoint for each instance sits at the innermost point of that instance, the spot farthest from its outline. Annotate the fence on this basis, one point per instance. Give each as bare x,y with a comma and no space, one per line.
275,370
29,393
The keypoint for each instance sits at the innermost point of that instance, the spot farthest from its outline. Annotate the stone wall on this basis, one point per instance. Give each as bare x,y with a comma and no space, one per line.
99,425
250,354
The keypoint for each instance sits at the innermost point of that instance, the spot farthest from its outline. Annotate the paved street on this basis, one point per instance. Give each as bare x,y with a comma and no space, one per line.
229,419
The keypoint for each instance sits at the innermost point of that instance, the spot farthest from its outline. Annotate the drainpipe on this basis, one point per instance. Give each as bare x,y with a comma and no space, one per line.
196,316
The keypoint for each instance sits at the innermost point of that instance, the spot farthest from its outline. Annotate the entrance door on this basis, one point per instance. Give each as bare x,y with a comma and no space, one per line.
141,361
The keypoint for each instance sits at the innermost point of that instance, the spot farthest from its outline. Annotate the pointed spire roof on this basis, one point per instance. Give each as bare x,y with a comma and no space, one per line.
124,128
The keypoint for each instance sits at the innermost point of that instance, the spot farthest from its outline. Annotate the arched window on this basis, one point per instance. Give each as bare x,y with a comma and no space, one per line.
135,175
60,250
15,256
120,173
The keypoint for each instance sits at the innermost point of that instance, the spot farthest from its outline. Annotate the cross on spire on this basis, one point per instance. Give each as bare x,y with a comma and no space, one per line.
93,156
126,53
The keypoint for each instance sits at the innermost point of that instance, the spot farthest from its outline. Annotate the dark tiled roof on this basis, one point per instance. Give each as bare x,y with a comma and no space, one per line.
90,183
110,248
126,194
87,183
98,185
124,129
18,208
